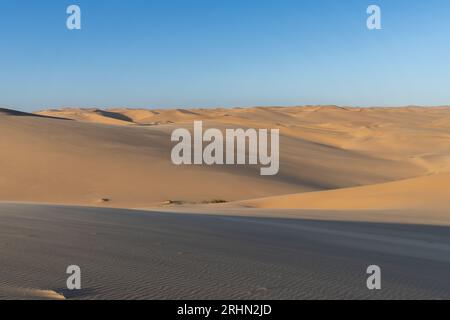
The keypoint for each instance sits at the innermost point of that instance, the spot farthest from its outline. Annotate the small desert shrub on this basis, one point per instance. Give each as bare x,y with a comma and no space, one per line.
215,201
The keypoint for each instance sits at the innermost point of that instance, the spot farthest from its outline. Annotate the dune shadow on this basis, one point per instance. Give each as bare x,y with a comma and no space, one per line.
15,113
76,294
114,115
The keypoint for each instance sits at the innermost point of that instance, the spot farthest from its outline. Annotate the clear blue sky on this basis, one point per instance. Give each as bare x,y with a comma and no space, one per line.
207,53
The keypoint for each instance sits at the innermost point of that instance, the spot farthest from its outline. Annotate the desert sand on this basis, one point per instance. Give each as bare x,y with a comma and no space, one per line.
123,155
355,185
130,254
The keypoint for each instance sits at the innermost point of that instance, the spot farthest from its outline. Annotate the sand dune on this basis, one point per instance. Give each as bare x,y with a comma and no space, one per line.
426,193
356,186
89,115
382,132
47,160
121,157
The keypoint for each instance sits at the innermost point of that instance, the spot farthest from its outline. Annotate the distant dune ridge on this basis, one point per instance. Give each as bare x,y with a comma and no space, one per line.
330,158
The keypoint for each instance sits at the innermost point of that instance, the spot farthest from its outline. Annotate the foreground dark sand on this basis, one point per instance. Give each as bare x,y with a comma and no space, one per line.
127,254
